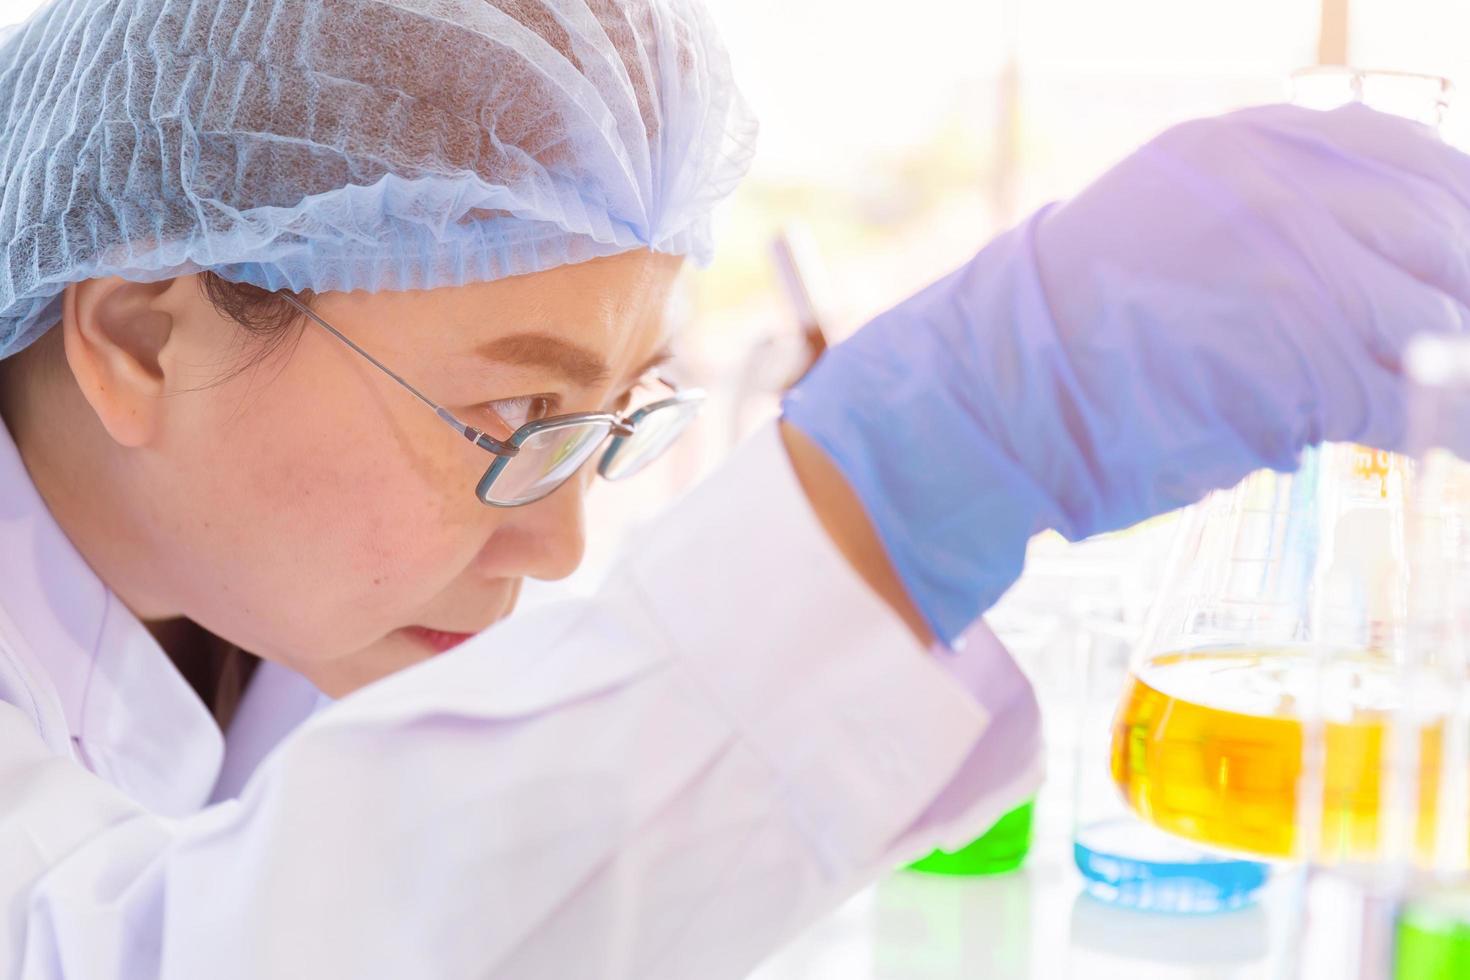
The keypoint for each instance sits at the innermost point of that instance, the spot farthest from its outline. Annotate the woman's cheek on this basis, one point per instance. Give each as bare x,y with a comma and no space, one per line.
374,523
410,546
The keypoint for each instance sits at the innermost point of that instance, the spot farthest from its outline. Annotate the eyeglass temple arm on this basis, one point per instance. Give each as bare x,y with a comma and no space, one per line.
468,431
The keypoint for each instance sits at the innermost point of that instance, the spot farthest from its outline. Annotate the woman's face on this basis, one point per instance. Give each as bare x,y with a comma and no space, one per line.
313,512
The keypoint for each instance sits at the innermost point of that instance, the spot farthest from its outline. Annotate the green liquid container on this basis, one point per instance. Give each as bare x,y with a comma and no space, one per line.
1001,849
1432,939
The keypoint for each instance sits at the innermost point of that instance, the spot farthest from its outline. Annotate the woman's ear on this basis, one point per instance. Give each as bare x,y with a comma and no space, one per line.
116,334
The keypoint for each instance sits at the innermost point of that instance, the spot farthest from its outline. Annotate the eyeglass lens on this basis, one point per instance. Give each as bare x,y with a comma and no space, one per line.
653,433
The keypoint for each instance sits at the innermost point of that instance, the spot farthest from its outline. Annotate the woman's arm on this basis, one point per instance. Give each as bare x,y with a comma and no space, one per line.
842,516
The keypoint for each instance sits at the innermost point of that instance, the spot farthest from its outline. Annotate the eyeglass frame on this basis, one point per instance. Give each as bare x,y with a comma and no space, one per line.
621,428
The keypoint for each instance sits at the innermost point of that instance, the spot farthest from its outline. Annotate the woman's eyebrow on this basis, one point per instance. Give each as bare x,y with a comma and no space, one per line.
575,363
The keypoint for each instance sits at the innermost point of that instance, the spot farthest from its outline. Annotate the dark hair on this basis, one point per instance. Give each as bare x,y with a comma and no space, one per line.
265,315
215,668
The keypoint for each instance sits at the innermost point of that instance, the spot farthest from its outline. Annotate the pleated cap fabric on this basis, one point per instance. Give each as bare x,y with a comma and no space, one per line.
354,144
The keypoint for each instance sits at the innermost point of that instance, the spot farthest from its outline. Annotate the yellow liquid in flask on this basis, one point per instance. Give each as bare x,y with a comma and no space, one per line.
1208,745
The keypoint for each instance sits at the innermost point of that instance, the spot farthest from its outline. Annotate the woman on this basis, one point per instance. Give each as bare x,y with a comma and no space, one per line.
319,317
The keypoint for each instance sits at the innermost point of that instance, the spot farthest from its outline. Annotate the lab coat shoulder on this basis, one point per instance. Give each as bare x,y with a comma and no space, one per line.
26,690
663,780
23,692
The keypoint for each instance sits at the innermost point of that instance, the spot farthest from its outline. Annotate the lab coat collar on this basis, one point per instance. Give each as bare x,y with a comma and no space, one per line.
132,717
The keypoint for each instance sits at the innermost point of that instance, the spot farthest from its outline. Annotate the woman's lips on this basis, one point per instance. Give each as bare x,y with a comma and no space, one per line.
436,640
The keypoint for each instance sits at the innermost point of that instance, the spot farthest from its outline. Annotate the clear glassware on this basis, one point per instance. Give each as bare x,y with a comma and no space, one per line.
1279,631
1122,859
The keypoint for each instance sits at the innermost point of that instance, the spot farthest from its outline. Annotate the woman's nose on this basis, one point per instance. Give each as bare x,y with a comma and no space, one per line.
543,540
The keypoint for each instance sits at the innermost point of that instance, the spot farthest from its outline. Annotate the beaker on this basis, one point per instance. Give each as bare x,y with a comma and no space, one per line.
1122,859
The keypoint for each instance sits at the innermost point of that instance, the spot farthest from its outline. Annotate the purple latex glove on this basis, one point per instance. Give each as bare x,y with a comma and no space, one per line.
1237,289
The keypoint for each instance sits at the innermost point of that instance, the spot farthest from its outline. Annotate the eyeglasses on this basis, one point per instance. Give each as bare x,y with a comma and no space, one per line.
543,454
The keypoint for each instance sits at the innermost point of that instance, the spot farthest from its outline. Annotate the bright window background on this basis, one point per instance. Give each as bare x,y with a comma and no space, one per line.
900,137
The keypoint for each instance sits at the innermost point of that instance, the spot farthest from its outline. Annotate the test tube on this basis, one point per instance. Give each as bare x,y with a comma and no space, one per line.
800,271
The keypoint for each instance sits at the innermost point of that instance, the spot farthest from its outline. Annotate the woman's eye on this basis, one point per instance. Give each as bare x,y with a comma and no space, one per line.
516,412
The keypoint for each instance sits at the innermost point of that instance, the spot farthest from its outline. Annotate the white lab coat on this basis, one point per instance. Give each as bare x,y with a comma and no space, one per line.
662,781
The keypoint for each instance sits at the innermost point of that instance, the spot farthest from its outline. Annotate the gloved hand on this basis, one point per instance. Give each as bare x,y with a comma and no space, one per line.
1235,290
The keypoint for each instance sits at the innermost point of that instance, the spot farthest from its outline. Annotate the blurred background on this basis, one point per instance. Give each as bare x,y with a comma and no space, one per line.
897,138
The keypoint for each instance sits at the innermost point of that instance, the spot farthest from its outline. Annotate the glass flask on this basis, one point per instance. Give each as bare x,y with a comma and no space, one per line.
1281,634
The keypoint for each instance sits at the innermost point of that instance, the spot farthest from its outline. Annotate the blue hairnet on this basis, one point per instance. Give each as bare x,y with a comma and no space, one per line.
354,144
